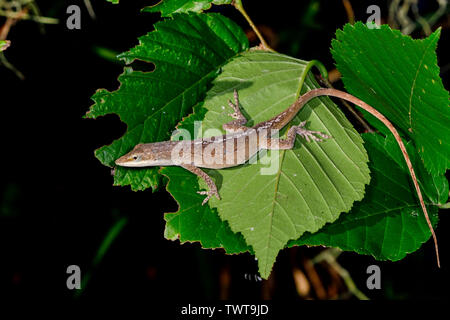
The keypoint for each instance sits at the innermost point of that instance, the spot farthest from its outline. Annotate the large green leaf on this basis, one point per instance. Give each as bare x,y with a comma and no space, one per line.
399,77
169,7
188,51
310,185
388,223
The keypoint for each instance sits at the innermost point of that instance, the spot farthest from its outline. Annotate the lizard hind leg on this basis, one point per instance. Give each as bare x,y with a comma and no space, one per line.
300,130
239,123
309,134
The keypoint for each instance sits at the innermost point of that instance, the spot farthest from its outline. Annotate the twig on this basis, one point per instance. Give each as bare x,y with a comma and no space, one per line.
393,8
315,279
238,5
408,25
8,65
402,16
330,256
349,11
439,12
17,15
90,9
3,34
110,237
423,22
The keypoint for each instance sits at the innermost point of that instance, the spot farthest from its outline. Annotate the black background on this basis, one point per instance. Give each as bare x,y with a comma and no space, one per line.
58,201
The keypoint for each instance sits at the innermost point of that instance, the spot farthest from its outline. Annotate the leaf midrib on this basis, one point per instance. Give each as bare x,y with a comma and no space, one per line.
414,82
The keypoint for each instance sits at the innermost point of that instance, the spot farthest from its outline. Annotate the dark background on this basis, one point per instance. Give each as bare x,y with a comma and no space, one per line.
57,200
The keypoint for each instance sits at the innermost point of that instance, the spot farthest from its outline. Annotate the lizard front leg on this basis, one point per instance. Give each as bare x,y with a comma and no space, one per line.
239,123
210,183
300,130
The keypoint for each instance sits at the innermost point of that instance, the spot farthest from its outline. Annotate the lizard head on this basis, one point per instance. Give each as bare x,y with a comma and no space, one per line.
146,155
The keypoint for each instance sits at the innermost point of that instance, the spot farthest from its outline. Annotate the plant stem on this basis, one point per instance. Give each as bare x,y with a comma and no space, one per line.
112,234
238,5
330,256
349,11
444,206
18,15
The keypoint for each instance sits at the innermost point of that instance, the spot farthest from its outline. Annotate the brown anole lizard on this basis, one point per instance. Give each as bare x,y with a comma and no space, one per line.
231,149
236,147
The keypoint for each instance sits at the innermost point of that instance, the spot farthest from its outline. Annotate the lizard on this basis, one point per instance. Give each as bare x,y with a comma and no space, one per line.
239,136
231,149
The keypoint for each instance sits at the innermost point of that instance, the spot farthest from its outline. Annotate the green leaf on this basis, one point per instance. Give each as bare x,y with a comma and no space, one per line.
388,223
194,222
310,185
399,77
169,7
4,44
188,51
113,1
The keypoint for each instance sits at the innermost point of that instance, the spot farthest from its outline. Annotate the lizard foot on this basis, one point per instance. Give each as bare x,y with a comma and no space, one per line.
310,134
235,106
209,194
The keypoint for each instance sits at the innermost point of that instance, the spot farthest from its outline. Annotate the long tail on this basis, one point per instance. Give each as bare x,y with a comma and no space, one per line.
302,100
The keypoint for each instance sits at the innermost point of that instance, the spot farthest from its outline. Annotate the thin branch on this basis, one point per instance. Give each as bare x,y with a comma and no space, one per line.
108,240
330,256
423,22
18,15
238,5
314,277
393,8
90,9
439,12
7,64
349,11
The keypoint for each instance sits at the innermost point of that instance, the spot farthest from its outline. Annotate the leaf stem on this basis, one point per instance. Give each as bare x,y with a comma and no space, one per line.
238,5
444,206
313,63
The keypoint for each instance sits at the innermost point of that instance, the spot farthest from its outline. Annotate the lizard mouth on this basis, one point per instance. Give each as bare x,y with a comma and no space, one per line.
124,161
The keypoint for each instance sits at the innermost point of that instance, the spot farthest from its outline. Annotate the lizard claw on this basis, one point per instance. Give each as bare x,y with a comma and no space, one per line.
209,194
236,113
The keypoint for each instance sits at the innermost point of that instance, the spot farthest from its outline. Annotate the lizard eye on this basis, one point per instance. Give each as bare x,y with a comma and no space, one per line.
135,157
